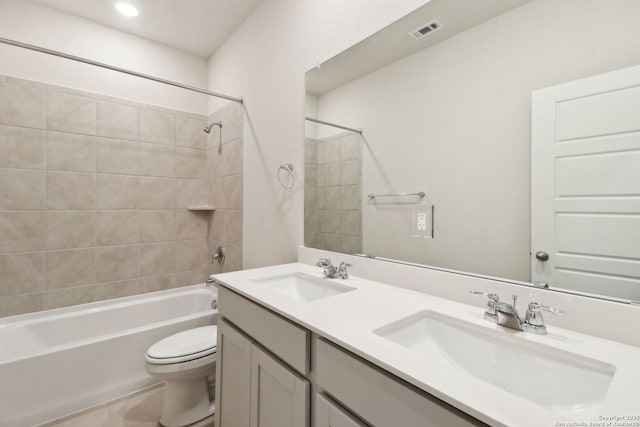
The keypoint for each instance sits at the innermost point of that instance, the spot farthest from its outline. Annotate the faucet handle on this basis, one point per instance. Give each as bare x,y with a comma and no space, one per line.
534,322
323,262
343,273
490,311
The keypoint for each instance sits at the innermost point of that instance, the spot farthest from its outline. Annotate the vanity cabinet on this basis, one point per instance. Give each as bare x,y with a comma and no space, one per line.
256,385
265,378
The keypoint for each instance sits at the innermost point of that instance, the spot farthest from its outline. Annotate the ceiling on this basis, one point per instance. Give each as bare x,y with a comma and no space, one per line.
393,42
195,26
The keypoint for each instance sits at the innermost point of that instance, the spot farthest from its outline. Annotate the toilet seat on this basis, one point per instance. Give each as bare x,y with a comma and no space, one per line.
184,346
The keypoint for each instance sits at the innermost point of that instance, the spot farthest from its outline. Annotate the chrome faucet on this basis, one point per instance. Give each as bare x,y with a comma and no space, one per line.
506,314
331,271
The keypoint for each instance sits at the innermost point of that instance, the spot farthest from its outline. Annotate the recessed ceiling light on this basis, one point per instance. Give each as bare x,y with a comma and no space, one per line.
127,9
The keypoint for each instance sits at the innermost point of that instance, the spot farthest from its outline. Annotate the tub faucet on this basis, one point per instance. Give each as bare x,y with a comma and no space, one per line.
506,314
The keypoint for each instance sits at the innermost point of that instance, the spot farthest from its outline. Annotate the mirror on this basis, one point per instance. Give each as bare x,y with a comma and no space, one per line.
444,100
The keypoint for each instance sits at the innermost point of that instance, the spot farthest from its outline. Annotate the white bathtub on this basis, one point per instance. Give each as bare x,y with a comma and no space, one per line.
56,362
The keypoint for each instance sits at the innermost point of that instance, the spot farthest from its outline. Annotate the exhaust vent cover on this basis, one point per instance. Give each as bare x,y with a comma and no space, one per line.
425,30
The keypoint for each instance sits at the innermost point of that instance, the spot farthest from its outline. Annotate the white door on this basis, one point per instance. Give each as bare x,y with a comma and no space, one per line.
585,185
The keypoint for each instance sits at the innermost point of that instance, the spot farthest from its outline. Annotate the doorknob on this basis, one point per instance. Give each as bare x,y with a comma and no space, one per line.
542,256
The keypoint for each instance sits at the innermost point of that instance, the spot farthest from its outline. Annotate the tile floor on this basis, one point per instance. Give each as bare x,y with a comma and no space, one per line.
140,410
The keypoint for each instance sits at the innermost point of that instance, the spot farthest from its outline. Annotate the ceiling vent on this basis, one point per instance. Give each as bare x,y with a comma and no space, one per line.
425,30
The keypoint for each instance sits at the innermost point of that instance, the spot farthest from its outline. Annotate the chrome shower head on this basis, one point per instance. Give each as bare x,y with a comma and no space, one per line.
208,128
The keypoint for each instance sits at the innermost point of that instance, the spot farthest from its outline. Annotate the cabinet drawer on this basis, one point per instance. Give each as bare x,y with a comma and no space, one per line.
286,340
376,396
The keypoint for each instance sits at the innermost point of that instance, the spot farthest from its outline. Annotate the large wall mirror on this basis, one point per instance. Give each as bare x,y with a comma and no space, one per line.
440,174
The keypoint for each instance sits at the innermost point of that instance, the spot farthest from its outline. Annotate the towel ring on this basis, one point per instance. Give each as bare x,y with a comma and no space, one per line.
287,167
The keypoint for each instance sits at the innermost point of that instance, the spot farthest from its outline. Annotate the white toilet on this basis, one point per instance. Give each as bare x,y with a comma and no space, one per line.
186,362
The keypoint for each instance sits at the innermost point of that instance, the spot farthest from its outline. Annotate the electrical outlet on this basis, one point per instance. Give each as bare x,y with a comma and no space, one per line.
422,221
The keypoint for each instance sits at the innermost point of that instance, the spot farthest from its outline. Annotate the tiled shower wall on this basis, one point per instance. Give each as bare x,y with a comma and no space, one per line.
333,193
93,196
225,165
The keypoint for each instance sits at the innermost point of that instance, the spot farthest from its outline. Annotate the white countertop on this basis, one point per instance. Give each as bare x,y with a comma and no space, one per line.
348,320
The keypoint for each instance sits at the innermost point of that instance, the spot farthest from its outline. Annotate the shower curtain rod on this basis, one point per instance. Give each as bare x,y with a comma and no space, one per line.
118,69
322,122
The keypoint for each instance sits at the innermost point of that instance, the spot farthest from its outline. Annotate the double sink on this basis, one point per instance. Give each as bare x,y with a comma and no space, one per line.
563,382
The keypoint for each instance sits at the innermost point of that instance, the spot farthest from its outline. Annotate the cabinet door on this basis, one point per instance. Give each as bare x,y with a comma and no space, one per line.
279,397
233,373
330,415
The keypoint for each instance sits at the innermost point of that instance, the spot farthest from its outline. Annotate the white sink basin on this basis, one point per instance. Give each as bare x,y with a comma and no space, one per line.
560,381
302,287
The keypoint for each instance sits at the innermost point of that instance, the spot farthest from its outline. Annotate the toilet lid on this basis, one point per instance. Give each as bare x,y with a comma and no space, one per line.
184,346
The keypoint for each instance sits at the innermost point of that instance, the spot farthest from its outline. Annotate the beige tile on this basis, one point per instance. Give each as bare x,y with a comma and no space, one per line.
157,283
310,151
332,222
20,304
350,147
227,192
21,231
233,122
322,175
191,225
332,150
70,268
21,147
217,229
94,418
118,228
70,113
117,156
118,192
332,174
31,83
311,198
67,297
192,277
22,106
351,223
71,152
228,160
70,229
233,226
351,244
191,255
157,160
70,190
115,263
332,242
157,226
332,197
21,189
21,273
157,127
350,197
104,291
157,259
312,221
117,120
191,163
157,193
350,172
191,192
310,175
189,131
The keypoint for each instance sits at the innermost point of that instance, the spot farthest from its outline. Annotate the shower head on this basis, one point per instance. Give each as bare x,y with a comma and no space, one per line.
208,128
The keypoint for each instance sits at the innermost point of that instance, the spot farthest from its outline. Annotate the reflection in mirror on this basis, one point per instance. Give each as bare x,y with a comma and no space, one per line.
449,114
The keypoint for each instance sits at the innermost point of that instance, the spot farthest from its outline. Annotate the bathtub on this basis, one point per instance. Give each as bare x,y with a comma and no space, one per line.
56,362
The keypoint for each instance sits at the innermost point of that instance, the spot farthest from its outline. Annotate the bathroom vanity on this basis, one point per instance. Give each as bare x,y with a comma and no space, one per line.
296,349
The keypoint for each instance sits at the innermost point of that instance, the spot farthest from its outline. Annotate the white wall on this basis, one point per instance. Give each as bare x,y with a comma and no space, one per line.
35,24
454,121
265,60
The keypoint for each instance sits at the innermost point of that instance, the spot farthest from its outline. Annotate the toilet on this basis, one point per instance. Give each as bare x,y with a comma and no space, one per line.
186,363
